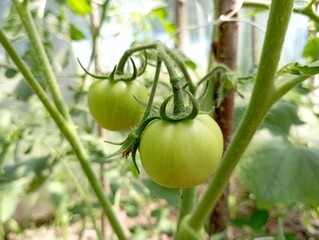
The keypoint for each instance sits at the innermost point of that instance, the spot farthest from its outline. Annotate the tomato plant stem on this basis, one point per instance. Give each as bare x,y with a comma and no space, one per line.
187,204
258,106
41,56
153,90
68,130
129,52
282,86
177,59
175,80
158,45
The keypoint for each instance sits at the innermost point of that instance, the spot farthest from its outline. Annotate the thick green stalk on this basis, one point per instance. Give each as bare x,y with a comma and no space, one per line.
175,80
27,20
283,86
182,67
68,130
187,203
260,102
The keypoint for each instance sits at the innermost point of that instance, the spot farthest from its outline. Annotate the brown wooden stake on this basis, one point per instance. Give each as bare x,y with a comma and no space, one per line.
95,22
180,22
225,51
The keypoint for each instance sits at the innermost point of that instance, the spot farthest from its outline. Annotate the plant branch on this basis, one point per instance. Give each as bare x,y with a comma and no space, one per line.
175,80
258,106
187,203
157,45
153,90
129,52
183,69
285,85
42,58
68,130
307,11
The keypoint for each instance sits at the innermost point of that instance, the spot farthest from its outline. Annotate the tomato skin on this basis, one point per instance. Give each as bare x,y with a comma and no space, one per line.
181,154
112,103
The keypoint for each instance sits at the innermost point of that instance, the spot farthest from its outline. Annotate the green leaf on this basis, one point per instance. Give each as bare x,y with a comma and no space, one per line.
75,33
311,50
10,72
189,62
280,118
37,170
298,69
278,172
171,195
162,16
23,91
256,220
80,7
9,198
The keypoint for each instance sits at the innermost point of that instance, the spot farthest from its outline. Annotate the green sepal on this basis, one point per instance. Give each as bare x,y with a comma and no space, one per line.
91,74
113,75
191,115
125,77
126,147
131,143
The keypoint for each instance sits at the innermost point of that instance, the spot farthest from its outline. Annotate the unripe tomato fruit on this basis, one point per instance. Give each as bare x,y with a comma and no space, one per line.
112,103
181,154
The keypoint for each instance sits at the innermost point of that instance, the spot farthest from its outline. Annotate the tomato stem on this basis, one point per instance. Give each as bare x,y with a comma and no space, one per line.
175,80
177,59
42,58
156,45
258,106
187,203
153,90
129,52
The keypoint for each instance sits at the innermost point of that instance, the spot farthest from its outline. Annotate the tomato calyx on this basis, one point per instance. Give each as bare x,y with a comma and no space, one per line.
131,143
187,115
115,76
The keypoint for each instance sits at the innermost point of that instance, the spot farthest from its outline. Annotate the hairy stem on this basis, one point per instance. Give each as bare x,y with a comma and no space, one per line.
129,52
258,106
68,130
43,60
175,81
183,69
153,90
171,53
187,204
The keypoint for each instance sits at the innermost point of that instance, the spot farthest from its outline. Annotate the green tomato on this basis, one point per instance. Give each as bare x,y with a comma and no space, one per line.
112,103
183,153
